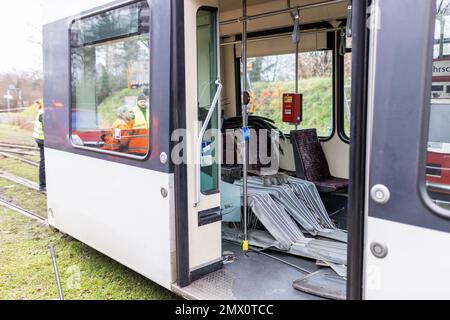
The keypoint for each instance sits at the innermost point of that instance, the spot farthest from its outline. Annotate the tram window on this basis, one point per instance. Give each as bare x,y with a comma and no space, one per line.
347,93
271,76
207,71
438,156
442,34
110,69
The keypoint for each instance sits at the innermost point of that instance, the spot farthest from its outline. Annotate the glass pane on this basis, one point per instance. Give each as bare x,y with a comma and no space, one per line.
110,83
271,76
109,25
347,92
207,76
438,162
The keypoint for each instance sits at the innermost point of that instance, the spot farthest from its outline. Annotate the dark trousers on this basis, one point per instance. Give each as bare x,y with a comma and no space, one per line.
42,184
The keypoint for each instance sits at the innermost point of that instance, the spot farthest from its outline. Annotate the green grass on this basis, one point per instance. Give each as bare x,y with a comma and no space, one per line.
19,169
26,271
30,200
14,134
108,108
22,196
29,113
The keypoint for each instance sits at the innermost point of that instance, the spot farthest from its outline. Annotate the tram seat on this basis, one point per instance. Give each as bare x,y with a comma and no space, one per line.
311,163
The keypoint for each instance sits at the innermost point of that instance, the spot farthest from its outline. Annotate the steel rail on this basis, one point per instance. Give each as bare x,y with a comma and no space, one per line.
18,146
281,36
21,181
279,12
7,155
18,152
22,211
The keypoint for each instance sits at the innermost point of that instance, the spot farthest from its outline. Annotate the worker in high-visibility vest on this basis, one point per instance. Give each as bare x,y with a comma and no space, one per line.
142,113
118,138
39,137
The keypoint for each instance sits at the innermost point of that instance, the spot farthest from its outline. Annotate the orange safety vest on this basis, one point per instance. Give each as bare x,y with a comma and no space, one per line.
142,121
118,136
139,142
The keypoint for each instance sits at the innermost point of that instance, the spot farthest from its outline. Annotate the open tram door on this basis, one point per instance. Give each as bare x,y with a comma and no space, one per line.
395,230
200,244
406,235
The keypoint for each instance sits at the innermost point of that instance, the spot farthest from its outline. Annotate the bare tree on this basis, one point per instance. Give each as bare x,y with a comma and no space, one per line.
443,7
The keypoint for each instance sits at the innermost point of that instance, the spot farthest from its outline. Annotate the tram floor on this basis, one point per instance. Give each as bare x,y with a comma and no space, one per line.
252,276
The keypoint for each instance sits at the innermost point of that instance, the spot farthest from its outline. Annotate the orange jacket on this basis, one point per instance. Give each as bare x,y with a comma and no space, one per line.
119,136
139,142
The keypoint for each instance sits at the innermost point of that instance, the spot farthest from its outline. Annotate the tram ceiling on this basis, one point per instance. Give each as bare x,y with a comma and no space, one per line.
273,14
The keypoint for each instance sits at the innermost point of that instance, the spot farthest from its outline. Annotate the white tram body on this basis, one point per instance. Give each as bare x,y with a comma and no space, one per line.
124,192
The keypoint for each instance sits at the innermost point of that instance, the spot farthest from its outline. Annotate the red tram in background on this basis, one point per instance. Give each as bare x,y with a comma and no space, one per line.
438,167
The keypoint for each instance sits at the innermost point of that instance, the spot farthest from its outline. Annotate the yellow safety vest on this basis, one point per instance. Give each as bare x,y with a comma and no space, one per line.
141,122
39,126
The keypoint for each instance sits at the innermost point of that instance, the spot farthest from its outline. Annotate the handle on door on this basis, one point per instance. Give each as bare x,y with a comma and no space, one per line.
380,194
214,104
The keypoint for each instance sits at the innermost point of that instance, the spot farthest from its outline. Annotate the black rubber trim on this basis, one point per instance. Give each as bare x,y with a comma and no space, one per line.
209,216
200,273
331,43
237,82
358,150
178,112
340,95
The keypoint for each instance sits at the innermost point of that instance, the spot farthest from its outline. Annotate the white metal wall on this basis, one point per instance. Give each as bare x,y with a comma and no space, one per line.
116,209
205,243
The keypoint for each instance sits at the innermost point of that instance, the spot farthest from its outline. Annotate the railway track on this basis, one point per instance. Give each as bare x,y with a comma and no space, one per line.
26,183
21,181
19,152
19,158
23,211
18,146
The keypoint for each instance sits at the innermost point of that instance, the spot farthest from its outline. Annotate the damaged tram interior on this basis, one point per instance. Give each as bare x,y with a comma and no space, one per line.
258,206
274,77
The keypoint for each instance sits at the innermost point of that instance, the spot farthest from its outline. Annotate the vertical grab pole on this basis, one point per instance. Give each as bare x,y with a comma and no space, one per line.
245,121
296,72
296,40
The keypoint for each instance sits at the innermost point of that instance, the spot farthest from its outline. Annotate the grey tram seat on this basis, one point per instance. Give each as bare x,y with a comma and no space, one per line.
311,163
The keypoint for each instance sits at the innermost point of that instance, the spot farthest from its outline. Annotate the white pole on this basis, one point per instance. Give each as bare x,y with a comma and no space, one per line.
245,122
8,99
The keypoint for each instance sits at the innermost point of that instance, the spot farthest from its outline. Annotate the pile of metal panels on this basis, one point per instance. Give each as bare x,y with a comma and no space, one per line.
300,199
289,209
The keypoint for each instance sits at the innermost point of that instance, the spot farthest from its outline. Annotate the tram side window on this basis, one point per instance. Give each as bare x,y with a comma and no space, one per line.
438,156
110,69
347,93
207,75
271,76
